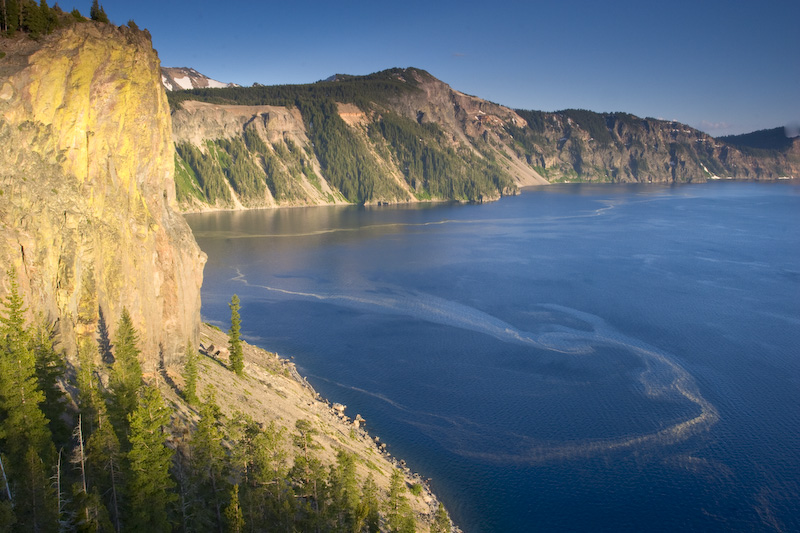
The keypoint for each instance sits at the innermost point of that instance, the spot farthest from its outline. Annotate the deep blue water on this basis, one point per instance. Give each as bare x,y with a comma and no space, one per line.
576,358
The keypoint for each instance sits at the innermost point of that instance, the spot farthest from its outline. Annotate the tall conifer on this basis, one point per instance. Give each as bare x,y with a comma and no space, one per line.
50,369
233,513
234,342
208,460
96,12
104,471
190,374
149,484
126,375
399,516
25,438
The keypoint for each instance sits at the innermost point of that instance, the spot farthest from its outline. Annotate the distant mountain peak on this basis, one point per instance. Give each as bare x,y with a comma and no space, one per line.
183,78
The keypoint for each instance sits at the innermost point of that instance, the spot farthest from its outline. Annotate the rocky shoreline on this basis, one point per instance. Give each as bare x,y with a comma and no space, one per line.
274,391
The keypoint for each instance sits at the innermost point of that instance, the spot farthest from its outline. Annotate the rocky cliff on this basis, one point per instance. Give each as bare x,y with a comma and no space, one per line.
402,135
257,156
88,199
397,136
579,145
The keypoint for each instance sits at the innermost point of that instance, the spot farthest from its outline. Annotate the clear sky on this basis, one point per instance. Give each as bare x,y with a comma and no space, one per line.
722,66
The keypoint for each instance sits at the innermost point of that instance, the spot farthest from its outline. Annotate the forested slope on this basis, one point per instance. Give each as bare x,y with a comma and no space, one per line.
401,135
200,445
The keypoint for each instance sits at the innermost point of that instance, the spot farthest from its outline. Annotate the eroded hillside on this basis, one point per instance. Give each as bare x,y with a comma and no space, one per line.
402,135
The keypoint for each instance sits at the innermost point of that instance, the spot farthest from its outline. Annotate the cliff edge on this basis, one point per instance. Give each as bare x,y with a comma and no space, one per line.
87,217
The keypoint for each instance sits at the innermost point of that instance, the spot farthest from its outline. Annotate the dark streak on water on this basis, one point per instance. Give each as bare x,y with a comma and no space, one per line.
579,358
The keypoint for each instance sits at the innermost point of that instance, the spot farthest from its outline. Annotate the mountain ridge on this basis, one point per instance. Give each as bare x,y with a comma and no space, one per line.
184,78
780,139
402,135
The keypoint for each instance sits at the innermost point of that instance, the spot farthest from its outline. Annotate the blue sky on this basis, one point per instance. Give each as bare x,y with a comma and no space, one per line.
720,66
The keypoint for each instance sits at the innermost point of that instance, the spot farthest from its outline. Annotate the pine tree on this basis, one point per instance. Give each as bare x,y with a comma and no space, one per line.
50,369
309,473
370,505
90,401
7,518
260,454
104,471
50,16
33,20
399,516
36,501
233,513
149,487
190,375
208,460
126,375
234,342
344,492
13,16
441,522
24,433
96,12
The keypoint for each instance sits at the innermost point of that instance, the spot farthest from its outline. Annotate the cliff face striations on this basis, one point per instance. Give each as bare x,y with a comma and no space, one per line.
86,170
402,135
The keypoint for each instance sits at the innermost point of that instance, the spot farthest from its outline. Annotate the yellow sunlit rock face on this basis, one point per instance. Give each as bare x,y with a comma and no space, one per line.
86,172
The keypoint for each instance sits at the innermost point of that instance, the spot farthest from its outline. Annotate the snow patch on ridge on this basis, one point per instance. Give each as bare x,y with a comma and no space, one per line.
184,83
183,78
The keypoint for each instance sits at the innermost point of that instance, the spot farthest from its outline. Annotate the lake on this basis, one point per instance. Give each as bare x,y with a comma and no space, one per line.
575,358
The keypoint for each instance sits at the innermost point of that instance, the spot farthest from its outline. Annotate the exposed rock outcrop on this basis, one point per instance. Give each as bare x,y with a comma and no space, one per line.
417,139
284,150
578,145
182,78
87,216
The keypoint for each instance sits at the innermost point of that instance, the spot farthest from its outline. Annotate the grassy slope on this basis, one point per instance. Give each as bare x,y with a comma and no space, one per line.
271,390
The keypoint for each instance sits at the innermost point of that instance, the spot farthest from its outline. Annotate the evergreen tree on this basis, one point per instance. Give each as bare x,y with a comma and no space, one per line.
23,424
90,401
25,436
265,493
399,516
345,495
33,20
190,375
310,475
209,463
441,522
149,485
234,342
50,369
35,500
233,513
104,472
49,15
7,518
126,375
371,505
96,12
91,514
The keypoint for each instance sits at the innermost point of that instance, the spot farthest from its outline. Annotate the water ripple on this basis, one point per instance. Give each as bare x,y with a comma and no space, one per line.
661,377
